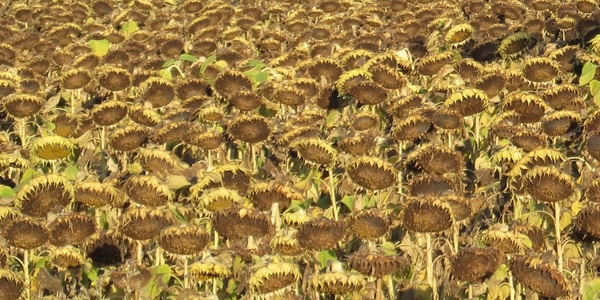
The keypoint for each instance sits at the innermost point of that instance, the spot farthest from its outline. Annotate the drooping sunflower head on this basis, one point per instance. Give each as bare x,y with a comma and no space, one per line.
237,223
435,185
66,257
52,148
11,285
562,97
437,159
209,268
529,140
337,282
157,91
369,224
184,240
148,190
467,102
504,240
106,248
515,45
321,233
263,195
431,65
548,184
375,262
250,128
71,229
141,223
26,233
229,83
530,107
372,173
559,123
96,194
314,150
42,194
475,264
273,277
109,112
539,276
448,119
421,215
246,100
412,127
113,79
387,77
216,199
459,35
588,222
540,70
20,106
75,79
128,138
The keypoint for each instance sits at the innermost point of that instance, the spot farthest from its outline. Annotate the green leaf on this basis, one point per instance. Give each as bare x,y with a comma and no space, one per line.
587,73
266,112
28,175
255,63
166,74
325,256
188,57
99,47
41,262
332,117
169,62
388,248
207,62
595,87
591,289
71,172
261,77
349,202
129,27
92,274
6,192
163,269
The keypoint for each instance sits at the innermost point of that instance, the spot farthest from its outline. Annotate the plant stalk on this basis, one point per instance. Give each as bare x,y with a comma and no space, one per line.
558,238
332,193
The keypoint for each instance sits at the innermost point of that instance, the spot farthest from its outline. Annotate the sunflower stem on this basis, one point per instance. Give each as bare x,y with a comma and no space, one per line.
390,287
477,129
584,252
455,236
140,252
332,193
511,282
23,132
157,257
430,264
558,239
470,291
26,273
379,290
186,283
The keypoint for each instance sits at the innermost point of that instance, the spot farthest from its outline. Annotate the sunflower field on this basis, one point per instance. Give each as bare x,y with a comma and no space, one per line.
318,149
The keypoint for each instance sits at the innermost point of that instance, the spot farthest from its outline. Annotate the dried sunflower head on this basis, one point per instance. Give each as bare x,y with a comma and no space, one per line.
421,215
26,233
373,261
539,276
11,285
109,112
250,128
148,190
475,264
337,282
209,268
459,35
540,70
437,159
548,184
320,234
515,45
67,257
239,223
184,240
467,102
273,277
20,106
372,173
113,79
75,79
42,194
71,229
141,223
52,148
314,150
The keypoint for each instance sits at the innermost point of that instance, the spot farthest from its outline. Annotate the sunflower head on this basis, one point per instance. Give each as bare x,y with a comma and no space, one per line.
20,106
109,113
184,240
42,194
372,173
467,102
273,277
459,35
314,150
11,285
515,45
424,215
67,257
52,148
548,184
540,70
321,233
75,79
539,276
71,229
209,268
238,223
114,79
141,223
148,190
475,264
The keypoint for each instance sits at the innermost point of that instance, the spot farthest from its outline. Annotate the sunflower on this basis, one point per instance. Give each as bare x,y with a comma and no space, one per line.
229,83
140,223
320,234
459,35
539,276
431,65
515,45
436,159
75,79
184,240
475,264
11,285
273,276
424,215
157,91
109,113
314,150
52,148
540,70
239,223
71,229
250,128
467,102
371,173
20,106
148,190
40,195
113,79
